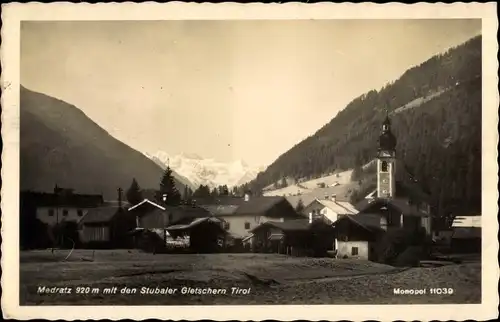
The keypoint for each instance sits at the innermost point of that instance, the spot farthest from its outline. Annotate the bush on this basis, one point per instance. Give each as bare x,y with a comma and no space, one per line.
411,256
396,242
66,234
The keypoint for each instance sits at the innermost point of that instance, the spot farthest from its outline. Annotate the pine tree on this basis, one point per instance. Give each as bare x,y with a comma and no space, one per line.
357,174
134,194
169,192
300,206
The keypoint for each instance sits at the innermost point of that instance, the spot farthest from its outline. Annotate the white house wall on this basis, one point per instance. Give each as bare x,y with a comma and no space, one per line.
345,249
42,214
237,223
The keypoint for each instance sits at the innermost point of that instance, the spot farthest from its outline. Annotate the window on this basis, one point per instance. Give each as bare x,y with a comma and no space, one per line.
247,225
51,212
384,166
79,212
354,251
226,225
65,212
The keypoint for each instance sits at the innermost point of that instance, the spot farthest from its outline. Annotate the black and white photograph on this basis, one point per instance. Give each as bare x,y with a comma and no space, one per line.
235,162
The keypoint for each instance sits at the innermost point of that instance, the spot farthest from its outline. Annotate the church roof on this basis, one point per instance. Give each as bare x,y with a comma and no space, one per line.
400,204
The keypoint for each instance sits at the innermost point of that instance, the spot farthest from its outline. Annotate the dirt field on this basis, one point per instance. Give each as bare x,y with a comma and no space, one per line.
267,278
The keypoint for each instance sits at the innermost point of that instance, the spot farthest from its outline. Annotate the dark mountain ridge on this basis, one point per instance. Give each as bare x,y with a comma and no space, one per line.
438,133
60,145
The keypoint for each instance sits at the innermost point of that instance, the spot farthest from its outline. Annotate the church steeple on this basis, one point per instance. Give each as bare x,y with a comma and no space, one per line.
387,140
386,161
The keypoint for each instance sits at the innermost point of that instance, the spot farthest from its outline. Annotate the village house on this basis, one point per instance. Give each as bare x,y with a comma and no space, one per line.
205,234
107,226
357,236
329,209
63,205
296,237
466,234
249,212
168,223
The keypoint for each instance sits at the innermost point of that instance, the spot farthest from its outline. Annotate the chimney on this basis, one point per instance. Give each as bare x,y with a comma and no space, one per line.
247,196
334,198
120,197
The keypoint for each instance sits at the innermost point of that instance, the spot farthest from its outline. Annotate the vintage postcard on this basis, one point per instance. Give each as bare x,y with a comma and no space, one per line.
249,161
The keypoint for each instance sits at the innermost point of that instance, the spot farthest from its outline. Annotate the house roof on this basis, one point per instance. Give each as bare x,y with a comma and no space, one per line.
194,223
63,199
370,222
400,204
146,202
348,206
276,237
466,232
187,213
467,221
289,225
100,215
339,207
220,210
341,192
220,200
258,205
226,206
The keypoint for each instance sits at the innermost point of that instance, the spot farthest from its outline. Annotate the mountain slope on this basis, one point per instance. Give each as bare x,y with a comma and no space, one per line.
60,145
200,171
436,116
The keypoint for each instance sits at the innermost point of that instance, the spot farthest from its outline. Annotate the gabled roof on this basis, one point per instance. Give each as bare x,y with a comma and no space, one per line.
289,225
370,222
225,206
100,215
220,200
339,207
146,201
220,210
194,223
187,213
44,199
400,204
259,205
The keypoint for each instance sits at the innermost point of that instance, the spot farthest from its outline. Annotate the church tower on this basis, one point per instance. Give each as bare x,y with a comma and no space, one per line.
386,162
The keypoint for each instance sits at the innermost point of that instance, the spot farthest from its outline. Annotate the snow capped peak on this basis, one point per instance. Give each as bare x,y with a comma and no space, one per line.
193,156
207,171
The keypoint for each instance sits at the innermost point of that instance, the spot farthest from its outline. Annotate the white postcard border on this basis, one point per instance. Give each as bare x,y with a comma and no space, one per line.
13,13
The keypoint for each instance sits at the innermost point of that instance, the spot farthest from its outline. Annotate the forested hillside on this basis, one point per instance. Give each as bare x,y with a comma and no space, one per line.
61,145
436,115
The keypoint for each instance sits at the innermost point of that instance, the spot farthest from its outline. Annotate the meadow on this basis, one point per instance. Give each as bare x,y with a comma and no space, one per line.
109,277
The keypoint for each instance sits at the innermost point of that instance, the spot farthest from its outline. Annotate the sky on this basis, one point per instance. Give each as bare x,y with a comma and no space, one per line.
229,90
